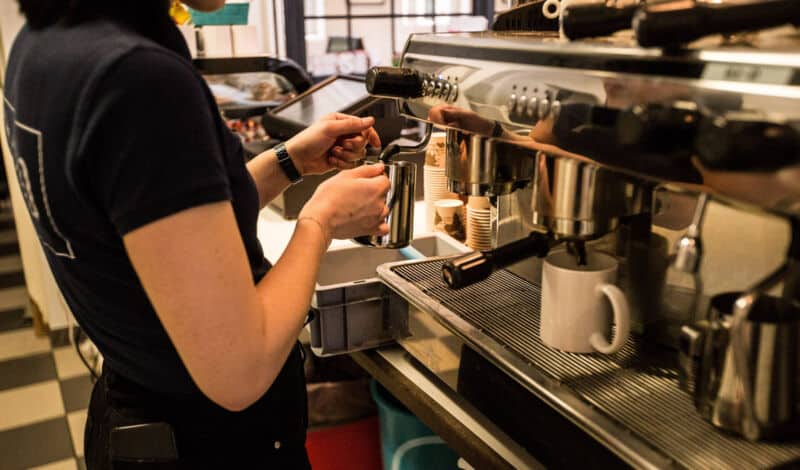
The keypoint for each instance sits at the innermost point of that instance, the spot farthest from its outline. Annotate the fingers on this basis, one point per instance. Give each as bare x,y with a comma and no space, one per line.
373,138
382,229
342,164
349,125
349,155
354,143
368,171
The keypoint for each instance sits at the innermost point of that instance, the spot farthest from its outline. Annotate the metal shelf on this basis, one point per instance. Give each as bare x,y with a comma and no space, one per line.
225,65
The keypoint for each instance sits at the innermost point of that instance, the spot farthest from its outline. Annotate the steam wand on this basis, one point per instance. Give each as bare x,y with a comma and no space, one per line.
392,150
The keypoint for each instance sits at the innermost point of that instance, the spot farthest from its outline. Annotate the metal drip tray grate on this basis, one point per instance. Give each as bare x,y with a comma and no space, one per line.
636,387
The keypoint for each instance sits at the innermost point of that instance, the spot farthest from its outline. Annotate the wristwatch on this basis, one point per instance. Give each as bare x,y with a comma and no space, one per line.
287,165
497,130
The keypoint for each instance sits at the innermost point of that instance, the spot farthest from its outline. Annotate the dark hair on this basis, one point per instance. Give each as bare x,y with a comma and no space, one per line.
43,13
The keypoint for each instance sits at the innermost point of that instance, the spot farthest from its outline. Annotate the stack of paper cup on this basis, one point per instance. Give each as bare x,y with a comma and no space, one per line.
479,224
435,190
435,178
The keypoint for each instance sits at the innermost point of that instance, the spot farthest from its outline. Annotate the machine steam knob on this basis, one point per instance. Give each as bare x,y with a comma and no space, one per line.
394,82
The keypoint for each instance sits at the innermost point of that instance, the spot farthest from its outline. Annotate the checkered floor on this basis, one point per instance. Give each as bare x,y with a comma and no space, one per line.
44,387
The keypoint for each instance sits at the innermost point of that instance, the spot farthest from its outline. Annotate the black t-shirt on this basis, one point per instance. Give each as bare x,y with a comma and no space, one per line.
111,128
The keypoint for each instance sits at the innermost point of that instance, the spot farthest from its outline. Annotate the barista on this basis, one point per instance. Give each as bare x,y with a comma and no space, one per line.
147,214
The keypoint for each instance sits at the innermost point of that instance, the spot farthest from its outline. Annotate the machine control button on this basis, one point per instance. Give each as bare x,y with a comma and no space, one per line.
533,108
446,90
555,110
522,105
544,108
453,93
512,103
437,92
426,87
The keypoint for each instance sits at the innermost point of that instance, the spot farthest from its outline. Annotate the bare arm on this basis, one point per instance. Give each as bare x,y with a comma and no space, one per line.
234,336
270,179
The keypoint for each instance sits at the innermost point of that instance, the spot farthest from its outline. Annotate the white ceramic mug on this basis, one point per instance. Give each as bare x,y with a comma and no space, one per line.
575,315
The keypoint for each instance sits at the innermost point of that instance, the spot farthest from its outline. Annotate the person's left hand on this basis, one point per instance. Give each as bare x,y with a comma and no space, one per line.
337,141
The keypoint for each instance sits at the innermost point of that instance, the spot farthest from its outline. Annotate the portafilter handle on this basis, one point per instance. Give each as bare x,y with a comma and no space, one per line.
479,265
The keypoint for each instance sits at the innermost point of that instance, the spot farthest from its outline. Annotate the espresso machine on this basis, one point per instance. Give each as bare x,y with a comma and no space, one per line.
650,155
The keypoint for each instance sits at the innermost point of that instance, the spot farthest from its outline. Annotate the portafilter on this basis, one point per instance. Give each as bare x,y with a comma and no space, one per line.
577,199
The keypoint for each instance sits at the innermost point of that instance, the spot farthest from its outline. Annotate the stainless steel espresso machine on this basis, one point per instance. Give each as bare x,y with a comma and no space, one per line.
603,145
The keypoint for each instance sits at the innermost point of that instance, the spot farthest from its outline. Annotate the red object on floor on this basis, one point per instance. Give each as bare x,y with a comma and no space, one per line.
352,446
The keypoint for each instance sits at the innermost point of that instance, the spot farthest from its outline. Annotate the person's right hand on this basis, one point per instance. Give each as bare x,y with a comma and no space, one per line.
351,204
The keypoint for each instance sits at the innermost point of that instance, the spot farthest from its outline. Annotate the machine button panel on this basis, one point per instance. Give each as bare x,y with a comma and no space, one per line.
532,103
439,87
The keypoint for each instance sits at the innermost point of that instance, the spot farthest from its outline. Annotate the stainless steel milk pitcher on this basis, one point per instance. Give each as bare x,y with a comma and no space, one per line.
400,200
743,365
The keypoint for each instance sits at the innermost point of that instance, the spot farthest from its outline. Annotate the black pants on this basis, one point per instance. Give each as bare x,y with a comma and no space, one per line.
269,434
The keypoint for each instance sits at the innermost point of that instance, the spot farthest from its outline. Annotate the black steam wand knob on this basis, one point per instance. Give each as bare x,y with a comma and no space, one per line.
671,23
593,20
479,265
394,82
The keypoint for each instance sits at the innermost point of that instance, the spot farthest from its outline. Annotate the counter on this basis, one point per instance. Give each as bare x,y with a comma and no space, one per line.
436,403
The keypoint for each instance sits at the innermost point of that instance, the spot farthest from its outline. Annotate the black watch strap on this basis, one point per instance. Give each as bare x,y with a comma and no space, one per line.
497,130
287,165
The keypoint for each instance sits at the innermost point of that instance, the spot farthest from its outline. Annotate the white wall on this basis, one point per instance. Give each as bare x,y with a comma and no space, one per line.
10,23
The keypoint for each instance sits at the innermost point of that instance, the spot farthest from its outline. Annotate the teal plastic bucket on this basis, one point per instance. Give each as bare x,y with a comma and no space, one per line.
230,14
406,443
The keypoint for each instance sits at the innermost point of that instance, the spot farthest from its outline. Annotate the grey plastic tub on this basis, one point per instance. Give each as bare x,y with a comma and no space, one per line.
353,309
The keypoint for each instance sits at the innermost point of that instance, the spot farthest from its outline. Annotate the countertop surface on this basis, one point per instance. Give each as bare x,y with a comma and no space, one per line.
274,232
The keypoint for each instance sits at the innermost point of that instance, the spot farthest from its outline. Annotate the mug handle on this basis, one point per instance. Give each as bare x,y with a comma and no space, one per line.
622,319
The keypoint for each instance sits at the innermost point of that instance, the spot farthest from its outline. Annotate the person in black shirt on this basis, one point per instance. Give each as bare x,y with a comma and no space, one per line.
147,213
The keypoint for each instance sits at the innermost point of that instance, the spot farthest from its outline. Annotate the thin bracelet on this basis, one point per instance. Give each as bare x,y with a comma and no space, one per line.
321,227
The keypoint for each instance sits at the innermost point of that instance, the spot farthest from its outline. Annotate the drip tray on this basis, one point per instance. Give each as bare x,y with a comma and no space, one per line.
630,401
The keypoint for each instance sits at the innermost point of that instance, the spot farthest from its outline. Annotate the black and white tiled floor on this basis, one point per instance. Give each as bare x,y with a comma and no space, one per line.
44,387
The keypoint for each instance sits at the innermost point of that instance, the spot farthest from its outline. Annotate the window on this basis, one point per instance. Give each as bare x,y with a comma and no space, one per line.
348,36
315,28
